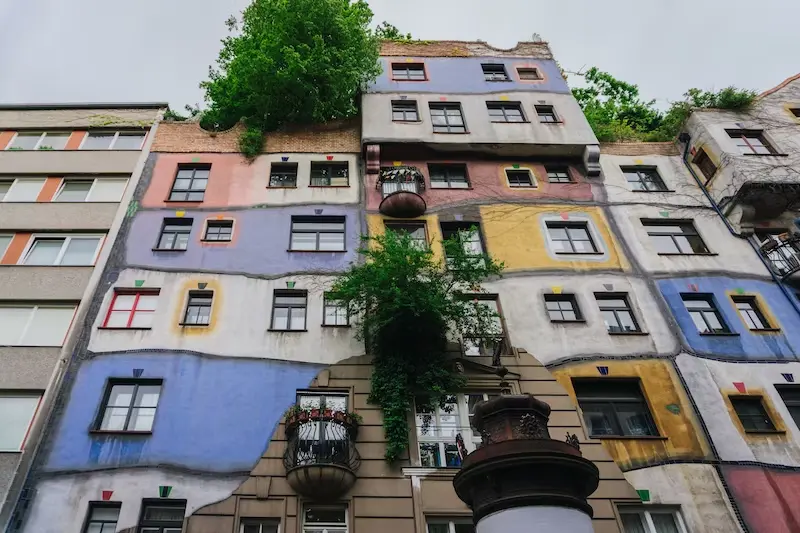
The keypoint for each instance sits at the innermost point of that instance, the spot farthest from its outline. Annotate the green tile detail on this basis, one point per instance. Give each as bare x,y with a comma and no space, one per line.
515,166
138,282
664,214
739,291
133,206
164,491
195,160
644,495
674,408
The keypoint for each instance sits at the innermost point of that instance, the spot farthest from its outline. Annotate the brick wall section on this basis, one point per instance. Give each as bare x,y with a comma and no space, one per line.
179,137
538,50
663,148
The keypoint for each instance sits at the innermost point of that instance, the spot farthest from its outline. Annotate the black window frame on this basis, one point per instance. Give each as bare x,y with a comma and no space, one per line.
97,426
518,172
406,108
195,299
795,111
584,225
194,168
616,310
289,293
404,225
754,313
614,397
173,226
457,229
283,173
741,400
452,173
712,308
87,522
326,303
504,108
559,299
318,219
688,232
491,70
554,173
790,394
160,526
448,128
647,178
218,225
703,161
545,112
522,74
407,69
332,168
745,135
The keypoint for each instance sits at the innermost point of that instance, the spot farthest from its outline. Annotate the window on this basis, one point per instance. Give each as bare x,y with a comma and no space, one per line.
329,174
129,405
5,240
790,394
162,516
651,520
317,234
613,407
469,235
219,230
17,410
562,308
750,142
91,190
334,312
190,184
795,111
519,178
505,112
27,140
571,238
447,118
494,72
547,114
529,74
455,525
557,174
283,175
448,176
704,313
257,525
644,179
175,234
616,312
674,237
405,111
408,72
132,308
324,519
488,345
21,189
289,310
34,325
415,229
74,250
751,313
113,140
751,413
198,308
102,517
705,164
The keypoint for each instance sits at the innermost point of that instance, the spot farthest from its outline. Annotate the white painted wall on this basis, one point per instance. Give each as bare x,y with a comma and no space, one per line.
534,519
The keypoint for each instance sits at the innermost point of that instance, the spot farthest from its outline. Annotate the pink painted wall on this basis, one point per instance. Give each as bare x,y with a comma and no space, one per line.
767,498
230,179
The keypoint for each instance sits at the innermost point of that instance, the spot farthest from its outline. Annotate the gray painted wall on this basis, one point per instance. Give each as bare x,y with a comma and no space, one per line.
43,282
27,367
57,216
75,118
61,162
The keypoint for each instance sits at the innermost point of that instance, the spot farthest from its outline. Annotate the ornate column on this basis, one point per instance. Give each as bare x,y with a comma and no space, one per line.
521,480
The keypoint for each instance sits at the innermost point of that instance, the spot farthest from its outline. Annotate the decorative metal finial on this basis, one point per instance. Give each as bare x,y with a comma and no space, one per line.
572,440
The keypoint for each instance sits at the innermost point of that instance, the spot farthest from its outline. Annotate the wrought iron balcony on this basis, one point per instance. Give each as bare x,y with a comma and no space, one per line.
783,256
321,456
401,189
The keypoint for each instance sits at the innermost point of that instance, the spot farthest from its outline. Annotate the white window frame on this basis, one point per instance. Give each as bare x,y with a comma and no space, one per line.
114,140
33,308
449,520
88,198
14,180
23,394
67,238
42,137
651,527
331,528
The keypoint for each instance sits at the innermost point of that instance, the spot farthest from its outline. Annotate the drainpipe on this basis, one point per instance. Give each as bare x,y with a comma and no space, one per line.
685,138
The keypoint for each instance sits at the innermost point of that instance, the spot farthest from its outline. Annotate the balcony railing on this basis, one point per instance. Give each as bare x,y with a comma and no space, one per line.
401,189
390,187
321,439
784,256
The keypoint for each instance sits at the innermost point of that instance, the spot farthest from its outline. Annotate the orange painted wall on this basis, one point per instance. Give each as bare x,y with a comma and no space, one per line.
49,190
15,249
5,138
75,140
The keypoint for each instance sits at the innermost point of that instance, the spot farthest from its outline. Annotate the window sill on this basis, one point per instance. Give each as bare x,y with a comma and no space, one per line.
407,121
184,325
123,329
706,254
451,132
581,321
765,432
511,122
117,432
316,251
432,188
431,471
335,326
580,253
725,334
209,242
524,188
166,250
628,437
766,155
766,330
329,186
287,330
551,123
650,192
629,333
183,201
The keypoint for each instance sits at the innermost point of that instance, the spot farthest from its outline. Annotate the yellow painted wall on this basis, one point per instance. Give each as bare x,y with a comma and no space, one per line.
375,226
661,386
779,438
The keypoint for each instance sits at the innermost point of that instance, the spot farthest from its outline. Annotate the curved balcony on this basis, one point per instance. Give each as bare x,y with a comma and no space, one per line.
321,456
401,189
783,256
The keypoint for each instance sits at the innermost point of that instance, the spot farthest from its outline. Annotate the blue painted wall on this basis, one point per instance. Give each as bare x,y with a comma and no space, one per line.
747,345
464,75
214,414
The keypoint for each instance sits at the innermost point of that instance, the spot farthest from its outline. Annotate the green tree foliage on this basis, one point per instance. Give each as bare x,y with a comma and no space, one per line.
293,62
407,301
390,32
616,112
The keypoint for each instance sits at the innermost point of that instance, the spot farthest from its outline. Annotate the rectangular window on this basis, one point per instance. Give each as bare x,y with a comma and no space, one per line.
447,118
5,240
674,236
614,407
289,310
21,189
519,178
317,234
113,140
17,410
219,231
325,519
91,190
571,238
557,174
750,142
408,72
704,313
324,174
415,229
102,517
469,235
37,325
405,111
259,525
132,308
529,74
790,394
73,250
175,234
334,312
651,520
494,72
198,308
190,183
562,308
617,313
448,176
547,114
283,175
74,191
705,164
644,179
505,112
751,413
129,405
447,525
27,140
162,516
751,313
493,342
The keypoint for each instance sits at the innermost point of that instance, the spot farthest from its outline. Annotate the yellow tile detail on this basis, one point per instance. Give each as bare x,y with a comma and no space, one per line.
190,284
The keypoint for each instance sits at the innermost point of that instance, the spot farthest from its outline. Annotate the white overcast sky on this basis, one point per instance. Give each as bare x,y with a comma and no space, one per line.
158,50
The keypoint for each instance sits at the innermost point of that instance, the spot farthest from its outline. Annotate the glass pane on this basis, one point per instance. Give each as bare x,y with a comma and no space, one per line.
557,234
298,318
13,321
44,252
664,522
97,141
80,251
163,513
612,304
118,319
147,302
584,247
324,515
74,191
54,141
336,403
304,241
114,419
699,323
600,419
49,326
633,523
142,319
610,320
24,190
129,141
26,141
713,321
121,395
142,419
331,241
626,319
280,318
438,528
15,417
108,190
429,454
634,419
147,395
108,514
